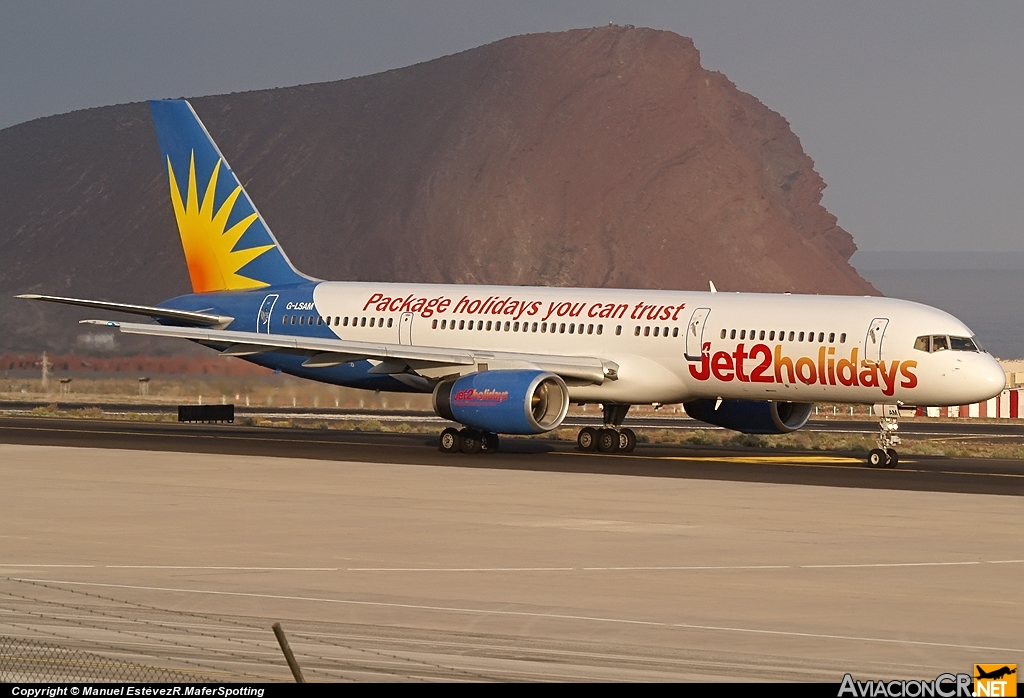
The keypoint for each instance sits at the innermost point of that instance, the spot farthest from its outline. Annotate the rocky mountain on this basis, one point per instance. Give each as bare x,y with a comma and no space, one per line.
597,157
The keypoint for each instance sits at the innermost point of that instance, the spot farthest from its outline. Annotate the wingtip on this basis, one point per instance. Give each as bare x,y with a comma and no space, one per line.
30,296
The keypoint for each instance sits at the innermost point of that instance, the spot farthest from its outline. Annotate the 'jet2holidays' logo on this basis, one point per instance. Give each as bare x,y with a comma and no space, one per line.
759,364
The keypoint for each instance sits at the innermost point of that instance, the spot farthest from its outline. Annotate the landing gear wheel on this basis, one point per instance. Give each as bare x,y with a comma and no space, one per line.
587,439
877,458
490,442
627,441
607,441
450,441
471,442
892,459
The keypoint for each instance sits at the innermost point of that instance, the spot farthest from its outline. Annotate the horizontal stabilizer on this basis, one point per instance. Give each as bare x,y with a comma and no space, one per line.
195,318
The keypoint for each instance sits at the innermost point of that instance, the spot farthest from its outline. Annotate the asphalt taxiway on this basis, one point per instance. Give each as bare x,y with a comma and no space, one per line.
178,546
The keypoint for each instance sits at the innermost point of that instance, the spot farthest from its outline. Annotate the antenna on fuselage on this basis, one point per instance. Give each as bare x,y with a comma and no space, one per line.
712,285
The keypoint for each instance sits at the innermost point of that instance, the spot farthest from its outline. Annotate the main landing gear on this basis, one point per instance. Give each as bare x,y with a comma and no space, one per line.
612,437
468,441
888,423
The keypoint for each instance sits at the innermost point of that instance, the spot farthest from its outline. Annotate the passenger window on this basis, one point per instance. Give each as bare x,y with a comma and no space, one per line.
590,329
821,337
544,327
636,331
801,337
664,332
319,320
433,325
572,326
771,336
362,322
831,337
724,332
842,338
302,319
444,324
284,319
561,328
732,334
761,335
656,331
470,325
618,329
344,321
462,324
515,326
791,334
743,334
371,321
391,321
488,325
600,329
533,327
647,332
506,326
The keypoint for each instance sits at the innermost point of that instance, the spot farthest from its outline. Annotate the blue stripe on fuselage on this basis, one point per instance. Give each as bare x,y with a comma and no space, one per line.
297,300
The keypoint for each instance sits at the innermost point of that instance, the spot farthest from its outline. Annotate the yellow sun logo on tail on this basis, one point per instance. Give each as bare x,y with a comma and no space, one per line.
213,261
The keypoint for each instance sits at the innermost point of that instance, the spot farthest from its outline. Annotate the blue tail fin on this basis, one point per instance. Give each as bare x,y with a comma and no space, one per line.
227,244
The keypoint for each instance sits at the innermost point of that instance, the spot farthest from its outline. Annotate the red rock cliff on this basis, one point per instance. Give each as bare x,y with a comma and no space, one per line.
600,157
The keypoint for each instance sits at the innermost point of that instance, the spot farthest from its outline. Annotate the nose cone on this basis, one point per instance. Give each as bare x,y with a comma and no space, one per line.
986,378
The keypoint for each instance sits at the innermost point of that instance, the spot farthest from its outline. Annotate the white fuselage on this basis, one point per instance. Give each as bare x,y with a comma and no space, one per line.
674,346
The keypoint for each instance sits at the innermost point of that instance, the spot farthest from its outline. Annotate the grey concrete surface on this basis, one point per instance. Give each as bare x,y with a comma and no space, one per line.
403,571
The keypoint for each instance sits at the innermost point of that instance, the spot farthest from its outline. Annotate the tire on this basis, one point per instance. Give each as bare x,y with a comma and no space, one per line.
892,459
877,458
470,441
490,442
450,441
607,441
627,441
587,439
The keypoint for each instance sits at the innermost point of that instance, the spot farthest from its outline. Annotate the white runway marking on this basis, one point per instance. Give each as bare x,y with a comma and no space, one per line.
247,569
631,568
529,614
846,637
383,604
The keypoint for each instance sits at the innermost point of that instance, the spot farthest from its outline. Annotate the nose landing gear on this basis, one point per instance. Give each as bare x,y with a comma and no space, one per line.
885,455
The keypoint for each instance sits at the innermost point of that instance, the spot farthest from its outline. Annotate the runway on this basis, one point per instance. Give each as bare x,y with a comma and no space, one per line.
178,547
835,469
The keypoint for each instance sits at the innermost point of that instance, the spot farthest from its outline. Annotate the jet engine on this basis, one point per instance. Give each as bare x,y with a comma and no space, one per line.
751,417
504,401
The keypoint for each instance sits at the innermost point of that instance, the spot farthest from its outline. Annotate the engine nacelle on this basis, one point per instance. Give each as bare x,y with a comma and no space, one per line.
504,401
752,417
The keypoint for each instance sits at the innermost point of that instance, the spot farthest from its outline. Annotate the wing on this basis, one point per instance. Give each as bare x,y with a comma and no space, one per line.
195,318
392,358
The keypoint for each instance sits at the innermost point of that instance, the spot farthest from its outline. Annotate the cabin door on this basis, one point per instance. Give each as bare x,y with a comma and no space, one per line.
405,329
873,340
695,333
266,310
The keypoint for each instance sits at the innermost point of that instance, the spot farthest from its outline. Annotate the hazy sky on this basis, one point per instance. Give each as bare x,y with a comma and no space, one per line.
912,111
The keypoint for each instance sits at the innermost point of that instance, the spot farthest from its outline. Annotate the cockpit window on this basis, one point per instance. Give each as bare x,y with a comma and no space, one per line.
962,344
940,342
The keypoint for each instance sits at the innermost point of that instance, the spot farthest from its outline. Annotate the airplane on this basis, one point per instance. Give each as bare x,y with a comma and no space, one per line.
995,674
511,359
